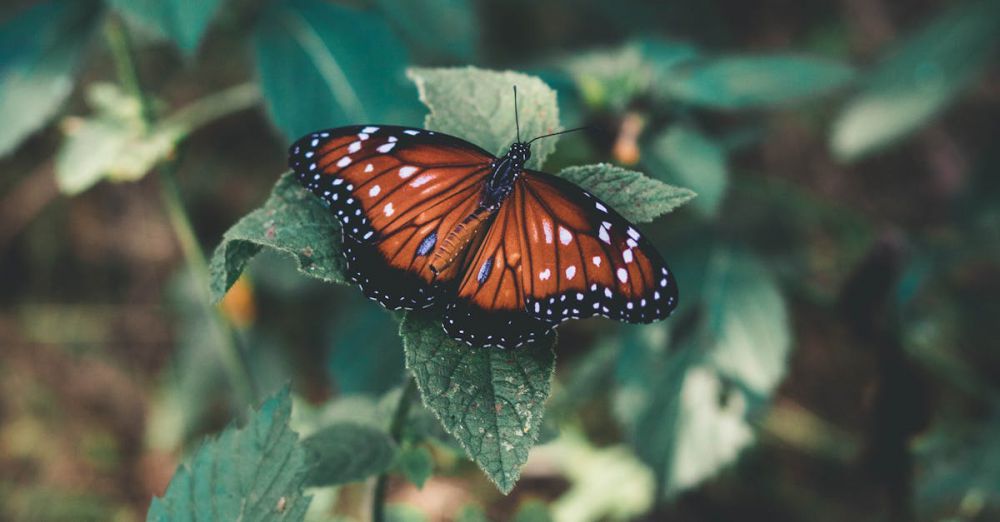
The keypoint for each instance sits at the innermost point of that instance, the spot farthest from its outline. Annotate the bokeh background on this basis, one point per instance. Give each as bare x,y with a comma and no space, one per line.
836,354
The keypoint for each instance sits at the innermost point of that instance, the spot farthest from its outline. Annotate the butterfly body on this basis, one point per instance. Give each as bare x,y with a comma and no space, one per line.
508,253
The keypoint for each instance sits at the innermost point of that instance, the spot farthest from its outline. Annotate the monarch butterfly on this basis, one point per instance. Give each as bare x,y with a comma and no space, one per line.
429,219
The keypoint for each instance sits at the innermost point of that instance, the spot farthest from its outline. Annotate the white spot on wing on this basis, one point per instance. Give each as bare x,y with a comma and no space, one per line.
369,130
354,147
374,191
343,162
407,171
544,274
547,228
385,148
369,167
570,271
627,255
388,209
603,234
632,232
597,260
622,275
600,207
411,132
421,180
565,236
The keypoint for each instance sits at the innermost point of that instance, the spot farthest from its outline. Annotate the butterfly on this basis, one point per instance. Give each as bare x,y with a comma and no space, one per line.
428,219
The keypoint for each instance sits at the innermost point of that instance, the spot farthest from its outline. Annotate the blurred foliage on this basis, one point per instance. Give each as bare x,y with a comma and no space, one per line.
832,357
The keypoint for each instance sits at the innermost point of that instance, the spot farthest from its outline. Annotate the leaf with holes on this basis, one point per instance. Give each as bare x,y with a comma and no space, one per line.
637,197
251,473
492,401
478,106
315,66
293,222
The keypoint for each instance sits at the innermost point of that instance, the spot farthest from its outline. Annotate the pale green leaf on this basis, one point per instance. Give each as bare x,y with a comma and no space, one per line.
183,21
324,65
683,156
477,105
40,51
293,222
687,410
918,79
416,464
347,452
637,197
492,401
749,82
250,473
112,144
606,483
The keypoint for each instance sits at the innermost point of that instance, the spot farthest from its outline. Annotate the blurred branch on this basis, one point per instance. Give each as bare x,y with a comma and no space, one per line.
396,432
802,429
194,115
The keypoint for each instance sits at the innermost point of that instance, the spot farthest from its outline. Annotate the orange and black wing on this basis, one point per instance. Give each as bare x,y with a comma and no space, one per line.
555,252
397,192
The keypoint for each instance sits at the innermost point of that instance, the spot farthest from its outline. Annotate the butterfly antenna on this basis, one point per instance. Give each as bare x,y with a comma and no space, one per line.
555,134
517,124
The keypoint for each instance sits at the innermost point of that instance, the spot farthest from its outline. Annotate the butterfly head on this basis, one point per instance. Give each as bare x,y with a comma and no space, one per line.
519,153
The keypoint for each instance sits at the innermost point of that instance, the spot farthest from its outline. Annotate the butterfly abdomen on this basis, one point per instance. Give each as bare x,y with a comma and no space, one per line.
458,239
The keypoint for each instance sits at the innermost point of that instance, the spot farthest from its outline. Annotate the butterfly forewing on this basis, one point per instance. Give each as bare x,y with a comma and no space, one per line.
397,191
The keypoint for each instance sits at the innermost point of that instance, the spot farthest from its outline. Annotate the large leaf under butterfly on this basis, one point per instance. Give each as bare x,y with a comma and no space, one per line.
509,253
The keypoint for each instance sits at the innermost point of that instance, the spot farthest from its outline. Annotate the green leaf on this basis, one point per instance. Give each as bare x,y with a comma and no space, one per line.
683,156
634,195
183,21
610,78
293,222
416,464
607,483
477,105
687,411
533,510
918,79
492,401
751,82
347,452
448,28
40,51
324,65
112,144
399,512
376,368
250,473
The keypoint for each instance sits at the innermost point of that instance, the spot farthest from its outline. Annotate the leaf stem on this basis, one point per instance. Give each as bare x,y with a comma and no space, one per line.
396,432
236,98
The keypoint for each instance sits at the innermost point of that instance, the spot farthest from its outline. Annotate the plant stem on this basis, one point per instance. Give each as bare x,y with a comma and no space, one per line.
225,102
396,432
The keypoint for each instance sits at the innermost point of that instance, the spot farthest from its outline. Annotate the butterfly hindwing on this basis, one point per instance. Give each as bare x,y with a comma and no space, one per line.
555,252
584,259
396,191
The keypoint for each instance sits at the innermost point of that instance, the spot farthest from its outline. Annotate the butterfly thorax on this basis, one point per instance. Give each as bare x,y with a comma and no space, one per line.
503,173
